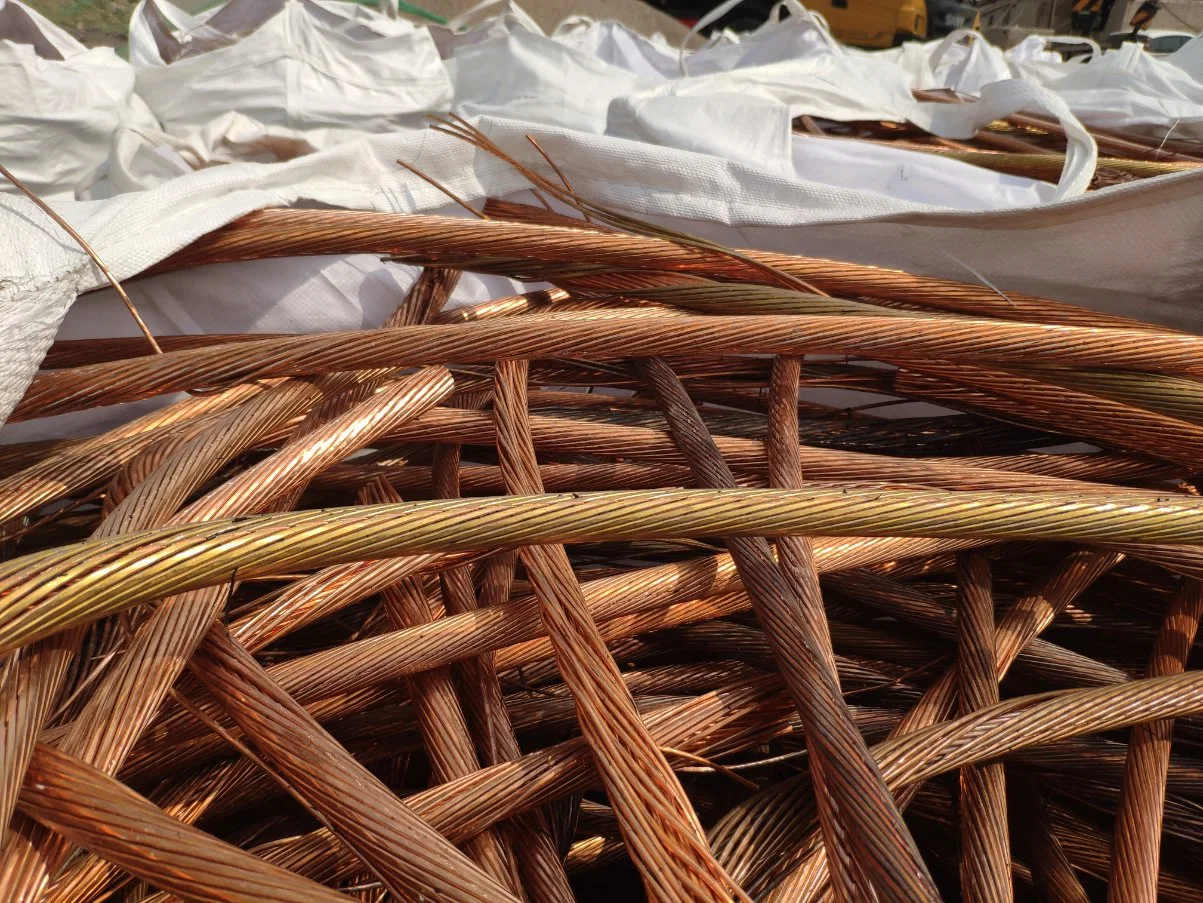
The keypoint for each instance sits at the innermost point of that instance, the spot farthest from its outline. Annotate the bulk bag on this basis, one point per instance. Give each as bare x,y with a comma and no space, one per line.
60,104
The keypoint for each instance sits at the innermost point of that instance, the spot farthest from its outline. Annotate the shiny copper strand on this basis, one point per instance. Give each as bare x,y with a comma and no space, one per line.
322,594
486,479
795,558
1135,860
1110,422
88,877
527,839
862,822
571,436
94,460
985,846
659,825
1089,848
437,709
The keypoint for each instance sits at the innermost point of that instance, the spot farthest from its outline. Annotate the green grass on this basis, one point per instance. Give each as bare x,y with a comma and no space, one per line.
94,22
100,23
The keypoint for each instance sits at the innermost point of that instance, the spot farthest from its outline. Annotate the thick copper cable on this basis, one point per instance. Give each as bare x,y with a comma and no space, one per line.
648,444
140,568
659,825
530,835
120,825
861,822
1026,618
486,479
795,557
985,847
609,337
1135,861
1110,422
1052,873
438,712
86,877
394,843
519,248
94,460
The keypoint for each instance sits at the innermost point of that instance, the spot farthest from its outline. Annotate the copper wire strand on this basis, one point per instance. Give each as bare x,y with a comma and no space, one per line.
87,248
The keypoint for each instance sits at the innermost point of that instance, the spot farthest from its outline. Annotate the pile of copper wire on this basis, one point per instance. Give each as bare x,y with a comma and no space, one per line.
639,586
1024,144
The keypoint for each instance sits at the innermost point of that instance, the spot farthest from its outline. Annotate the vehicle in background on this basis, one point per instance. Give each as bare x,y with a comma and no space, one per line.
1157,41
861,23
946,16
1070,48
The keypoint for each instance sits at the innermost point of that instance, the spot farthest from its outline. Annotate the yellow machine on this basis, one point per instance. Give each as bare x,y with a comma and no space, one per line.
873,23
887,23
862,23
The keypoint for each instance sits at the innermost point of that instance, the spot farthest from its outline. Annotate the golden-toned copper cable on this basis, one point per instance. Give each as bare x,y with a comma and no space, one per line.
139,568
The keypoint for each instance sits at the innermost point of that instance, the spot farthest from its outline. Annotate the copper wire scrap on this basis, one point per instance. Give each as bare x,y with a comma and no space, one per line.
630,587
